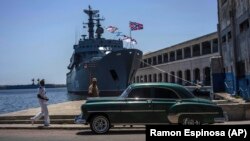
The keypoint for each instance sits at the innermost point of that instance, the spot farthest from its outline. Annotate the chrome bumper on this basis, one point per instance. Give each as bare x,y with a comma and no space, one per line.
221,119
80,119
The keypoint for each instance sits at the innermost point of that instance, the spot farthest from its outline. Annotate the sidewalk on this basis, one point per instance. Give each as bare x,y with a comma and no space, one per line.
62,117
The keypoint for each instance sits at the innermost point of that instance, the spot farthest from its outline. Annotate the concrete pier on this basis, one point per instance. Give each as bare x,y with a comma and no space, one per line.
62,116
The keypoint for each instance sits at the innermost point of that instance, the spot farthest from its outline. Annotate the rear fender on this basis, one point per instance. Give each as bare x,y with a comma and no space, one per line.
202,112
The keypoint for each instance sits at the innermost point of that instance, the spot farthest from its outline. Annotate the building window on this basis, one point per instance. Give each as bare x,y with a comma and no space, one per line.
196,75
145,63
187,77
154,61
150,78
196,50
206,47
224,39
165,77
172,77
137,79
172,56
179,77
141,79
187,52
215,45
244,26
223,2
155,78
207,78
159,77
141,65
241,69
179,54
229,36
159,59
165,57
149,61
145,78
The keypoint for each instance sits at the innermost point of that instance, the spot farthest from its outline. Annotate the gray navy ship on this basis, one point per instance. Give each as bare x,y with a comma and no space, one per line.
105,59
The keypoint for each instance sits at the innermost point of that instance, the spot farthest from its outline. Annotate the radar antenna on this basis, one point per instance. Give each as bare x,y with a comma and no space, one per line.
91,13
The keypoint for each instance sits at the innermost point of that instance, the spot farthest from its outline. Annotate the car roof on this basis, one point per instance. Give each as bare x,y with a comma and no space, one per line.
181,90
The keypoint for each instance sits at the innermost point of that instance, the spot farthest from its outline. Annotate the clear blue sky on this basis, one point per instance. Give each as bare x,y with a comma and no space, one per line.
36,36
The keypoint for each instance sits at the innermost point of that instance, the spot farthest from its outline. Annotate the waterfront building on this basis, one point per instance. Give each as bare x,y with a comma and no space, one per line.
185,63
234,42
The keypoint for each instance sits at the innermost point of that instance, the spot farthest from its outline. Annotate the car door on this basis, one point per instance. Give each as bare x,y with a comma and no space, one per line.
163,99
138,107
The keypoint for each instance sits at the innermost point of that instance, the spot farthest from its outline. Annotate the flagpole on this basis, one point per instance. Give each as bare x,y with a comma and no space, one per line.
130,35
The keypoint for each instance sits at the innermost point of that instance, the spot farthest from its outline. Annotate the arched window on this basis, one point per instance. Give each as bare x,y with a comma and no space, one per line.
196,75
207,76
179,77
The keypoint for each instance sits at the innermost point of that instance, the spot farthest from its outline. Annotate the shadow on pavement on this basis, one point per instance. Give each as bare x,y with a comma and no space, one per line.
113,132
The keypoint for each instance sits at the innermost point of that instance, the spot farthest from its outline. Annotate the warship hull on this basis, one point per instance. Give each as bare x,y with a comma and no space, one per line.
114,72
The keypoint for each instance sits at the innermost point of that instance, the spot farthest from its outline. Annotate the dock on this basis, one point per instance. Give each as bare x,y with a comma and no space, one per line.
62,116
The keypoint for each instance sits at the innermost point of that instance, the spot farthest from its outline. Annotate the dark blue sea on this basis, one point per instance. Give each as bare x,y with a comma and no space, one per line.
20,99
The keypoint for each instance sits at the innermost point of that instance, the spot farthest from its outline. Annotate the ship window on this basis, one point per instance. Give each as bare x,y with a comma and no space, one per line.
114,75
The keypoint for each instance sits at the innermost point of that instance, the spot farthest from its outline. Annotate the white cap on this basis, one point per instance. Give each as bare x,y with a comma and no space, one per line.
94,79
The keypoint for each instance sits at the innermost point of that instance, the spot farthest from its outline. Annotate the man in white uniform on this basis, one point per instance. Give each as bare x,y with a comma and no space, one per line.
42,98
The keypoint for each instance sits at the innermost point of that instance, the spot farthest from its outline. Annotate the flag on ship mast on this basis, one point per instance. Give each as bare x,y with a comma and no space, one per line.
112,29
135,26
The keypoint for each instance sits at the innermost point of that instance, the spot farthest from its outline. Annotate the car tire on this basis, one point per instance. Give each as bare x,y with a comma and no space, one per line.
100,124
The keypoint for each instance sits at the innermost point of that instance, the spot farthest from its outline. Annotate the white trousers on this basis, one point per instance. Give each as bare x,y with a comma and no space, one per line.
44,112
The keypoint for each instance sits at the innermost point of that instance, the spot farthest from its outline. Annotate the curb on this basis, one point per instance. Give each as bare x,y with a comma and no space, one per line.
59,126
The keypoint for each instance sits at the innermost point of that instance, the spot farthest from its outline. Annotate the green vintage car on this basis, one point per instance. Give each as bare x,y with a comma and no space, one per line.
149,103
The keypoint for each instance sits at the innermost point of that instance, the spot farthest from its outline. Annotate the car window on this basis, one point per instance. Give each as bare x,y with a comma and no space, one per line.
165,93
139,93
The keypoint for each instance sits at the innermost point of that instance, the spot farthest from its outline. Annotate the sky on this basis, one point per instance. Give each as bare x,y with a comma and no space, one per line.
37,36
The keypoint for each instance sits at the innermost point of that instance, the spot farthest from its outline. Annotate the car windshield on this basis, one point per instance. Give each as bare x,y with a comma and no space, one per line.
125,92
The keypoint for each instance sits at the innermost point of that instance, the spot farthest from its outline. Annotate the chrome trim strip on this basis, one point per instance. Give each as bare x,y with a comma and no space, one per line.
173,118
126,111
219,120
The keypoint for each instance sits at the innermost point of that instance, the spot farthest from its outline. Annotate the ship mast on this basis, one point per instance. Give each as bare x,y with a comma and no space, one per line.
91,13
99,29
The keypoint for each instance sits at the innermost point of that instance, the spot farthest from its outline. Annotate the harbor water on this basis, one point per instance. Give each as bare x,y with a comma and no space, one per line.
21,99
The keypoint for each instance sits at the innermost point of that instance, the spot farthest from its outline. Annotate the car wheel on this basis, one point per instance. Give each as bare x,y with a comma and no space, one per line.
190,121
99,124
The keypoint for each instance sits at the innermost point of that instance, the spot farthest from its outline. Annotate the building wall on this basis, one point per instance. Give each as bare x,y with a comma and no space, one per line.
184,63
234,40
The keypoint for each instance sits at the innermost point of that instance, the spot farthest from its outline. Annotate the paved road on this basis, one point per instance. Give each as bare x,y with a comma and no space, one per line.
70,135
